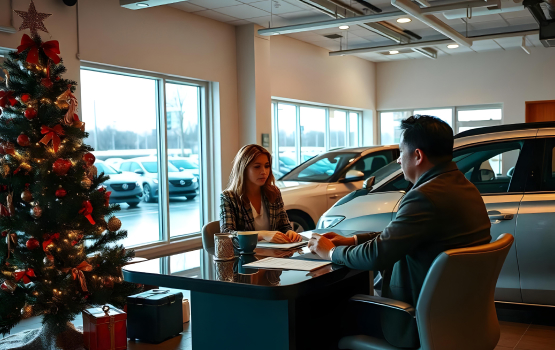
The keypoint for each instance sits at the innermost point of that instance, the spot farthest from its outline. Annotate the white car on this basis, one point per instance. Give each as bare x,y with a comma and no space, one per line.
314,186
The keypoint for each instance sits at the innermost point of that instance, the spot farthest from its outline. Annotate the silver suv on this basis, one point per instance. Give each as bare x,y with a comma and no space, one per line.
513,167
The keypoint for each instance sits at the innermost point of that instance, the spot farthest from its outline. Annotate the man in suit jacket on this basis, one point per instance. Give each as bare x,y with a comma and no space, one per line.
442,211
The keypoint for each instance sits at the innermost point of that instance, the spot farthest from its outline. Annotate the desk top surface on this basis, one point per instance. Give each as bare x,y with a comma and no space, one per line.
231,278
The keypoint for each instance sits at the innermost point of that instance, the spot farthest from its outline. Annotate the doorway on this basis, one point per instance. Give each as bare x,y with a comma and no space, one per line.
540,111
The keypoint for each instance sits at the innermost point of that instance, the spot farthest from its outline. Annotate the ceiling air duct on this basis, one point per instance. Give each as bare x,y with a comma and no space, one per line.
544,14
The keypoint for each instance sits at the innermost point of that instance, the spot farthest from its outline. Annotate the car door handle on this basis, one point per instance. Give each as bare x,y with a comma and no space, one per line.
501,216
334,196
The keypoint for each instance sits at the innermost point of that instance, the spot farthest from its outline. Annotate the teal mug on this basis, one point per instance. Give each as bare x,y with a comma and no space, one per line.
245,241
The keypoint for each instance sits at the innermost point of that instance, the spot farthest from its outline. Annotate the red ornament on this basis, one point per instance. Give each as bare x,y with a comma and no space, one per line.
60,193
9,148
23,140
87,210
32,243
30,113
4,233
46,82
7,99
25,98
89,159
61,166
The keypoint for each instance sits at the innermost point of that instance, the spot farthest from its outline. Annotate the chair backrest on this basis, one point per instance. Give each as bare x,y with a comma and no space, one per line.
208,232
456,308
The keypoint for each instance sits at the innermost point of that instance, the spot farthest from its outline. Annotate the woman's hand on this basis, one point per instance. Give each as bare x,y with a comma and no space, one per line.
294,236
274,237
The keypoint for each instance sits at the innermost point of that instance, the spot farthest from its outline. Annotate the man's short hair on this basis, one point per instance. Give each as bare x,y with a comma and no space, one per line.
431,135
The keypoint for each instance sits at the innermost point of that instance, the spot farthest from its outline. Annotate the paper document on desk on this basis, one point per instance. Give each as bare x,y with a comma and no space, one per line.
280,245
287,264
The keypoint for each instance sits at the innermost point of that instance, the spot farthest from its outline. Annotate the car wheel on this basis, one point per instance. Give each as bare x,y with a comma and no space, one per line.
133,204
147,194
191,197
299,224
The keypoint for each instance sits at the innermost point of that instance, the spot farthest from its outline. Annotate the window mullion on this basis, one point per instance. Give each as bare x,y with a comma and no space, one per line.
298,133
162,155
327,137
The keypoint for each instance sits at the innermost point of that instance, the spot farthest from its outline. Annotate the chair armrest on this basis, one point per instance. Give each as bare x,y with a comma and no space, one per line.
386,302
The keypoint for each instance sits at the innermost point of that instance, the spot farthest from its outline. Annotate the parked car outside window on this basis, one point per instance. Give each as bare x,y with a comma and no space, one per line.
125,188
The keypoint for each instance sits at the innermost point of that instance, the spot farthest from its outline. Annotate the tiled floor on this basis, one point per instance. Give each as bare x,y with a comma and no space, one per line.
521,329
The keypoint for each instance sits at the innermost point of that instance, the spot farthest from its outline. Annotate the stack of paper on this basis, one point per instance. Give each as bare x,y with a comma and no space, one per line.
280,245
287,264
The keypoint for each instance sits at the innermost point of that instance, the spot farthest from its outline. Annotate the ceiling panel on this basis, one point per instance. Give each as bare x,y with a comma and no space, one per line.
489,25
521,20
508,43
187,6
523,13
215,15
485,45
309,16
242,11
212,4
485,18
270,6
239,22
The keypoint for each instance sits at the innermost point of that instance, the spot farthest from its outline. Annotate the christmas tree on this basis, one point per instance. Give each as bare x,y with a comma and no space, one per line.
59,255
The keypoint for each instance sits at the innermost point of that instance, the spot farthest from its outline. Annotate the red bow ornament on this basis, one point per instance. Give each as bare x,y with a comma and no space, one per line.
50,49
52,134
87,210
24,275
77,272
4,210
7,98
48,240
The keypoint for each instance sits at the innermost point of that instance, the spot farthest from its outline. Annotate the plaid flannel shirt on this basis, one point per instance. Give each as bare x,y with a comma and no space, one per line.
237,216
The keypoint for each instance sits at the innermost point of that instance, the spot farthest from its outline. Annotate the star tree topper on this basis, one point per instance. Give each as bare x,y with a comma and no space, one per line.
32,19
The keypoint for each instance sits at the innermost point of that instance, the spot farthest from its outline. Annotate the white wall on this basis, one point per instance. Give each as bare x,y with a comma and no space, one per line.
509,77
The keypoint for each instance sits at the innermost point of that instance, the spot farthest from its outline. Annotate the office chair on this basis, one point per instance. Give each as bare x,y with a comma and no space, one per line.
208,232
456,309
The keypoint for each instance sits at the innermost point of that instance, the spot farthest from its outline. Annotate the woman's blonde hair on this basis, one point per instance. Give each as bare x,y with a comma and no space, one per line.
237,178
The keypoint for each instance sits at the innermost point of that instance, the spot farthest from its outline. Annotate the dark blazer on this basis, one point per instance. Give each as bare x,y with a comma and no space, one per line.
442,211
237,216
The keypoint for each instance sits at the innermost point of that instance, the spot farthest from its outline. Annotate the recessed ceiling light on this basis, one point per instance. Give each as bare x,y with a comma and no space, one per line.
393,52
452,46
142,4
275,34
343,27
404,20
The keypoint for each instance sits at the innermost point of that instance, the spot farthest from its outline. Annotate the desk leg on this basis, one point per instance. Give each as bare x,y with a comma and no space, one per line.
226,322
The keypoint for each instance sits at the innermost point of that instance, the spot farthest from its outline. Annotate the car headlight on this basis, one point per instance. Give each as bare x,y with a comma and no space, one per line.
194,179
329,221
155,181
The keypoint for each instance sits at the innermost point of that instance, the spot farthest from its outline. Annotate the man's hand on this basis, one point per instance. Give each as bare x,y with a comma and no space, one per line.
320,246
338,239
274,237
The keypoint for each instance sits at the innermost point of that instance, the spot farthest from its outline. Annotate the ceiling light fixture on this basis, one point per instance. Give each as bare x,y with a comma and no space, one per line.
404,20
343,27
142,4
393,52
453,46
275,33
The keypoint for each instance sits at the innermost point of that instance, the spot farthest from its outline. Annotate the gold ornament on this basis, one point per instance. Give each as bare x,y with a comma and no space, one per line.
86,183
9,204
33,19
5,170
27,311
27,196
114,224
92,172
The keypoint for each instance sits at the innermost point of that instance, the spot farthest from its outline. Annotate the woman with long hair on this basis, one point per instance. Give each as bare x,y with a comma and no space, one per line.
252,202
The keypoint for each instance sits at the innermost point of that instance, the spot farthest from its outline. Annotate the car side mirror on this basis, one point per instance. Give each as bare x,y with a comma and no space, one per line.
369,183
353,175
139,171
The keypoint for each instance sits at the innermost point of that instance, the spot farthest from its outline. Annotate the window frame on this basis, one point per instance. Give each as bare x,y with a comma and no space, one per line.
168,245
329,109
455,123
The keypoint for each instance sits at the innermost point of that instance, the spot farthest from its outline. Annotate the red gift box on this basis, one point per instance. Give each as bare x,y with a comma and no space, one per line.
105,328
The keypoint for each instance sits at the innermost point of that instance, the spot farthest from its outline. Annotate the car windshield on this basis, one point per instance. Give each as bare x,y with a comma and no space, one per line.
152,167
183,163
386,171
321,168
106,169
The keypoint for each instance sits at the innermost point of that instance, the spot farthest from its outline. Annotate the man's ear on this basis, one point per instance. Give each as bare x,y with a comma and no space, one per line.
419,156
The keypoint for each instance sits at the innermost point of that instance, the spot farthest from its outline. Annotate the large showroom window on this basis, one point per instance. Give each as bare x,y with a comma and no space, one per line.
301,132
459,118
122,116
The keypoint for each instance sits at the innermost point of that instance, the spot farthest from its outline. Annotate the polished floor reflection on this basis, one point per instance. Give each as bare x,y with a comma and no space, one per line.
521,329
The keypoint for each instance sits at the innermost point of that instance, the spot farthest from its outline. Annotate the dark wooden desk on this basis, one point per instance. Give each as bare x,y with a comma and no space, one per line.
237,308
